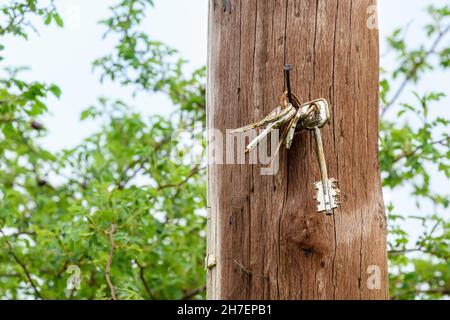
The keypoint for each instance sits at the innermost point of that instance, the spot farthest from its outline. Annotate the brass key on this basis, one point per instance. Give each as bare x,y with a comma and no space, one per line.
327,192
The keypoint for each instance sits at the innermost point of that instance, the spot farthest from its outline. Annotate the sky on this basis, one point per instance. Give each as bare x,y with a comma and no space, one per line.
64,56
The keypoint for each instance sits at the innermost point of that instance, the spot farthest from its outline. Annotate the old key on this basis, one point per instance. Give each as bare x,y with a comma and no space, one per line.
327,192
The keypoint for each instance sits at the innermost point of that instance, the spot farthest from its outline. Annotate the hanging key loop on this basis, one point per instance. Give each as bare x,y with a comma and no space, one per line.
319,116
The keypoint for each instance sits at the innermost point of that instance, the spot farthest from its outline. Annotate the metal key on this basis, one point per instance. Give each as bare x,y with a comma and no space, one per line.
327,192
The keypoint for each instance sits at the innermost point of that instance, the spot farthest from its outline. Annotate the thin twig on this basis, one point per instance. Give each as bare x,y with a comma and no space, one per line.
112,289
144,282
420,246
403,252
138,164
443,291
23,266
193,172
405,33
414,70
125,178
193,293
10,275
414,152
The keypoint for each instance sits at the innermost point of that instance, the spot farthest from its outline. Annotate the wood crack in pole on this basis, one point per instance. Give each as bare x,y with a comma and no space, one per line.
269,224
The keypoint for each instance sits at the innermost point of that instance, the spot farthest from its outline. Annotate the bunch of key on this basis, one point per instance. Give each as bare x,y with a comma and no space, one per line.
292,116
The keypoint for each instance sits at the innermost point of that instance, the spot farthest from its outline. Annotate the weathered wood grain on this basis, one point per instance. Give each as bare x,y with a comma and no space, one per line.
264,232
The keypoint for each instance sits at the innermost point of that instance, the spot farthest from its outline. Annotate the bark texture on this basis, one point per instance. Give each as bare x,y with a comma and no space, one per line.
265,238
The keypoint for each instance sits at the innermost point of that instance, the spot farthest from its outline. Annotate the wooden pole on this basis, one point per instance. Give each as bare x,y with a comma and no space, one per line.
265,238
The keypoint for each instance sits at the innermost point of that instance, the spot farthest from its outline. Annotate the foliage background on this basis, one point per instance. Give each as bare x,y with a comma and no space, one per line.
127,208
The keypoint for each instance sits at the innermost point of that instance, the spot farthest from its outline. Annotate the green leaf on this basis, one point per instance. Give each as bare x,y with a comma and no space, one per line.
55,90
58,19
48,19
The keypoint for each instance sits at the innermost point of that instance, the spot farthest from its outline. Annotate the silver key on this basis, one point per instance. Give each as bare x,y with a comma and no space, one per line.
327,192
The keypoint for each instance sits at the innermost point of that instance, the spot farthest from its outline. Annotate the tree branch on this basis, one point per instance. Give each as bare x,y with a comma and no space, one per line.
416,150
112,289
403,252
144,282
23,266
193,172
10,275
125,177
414,70
443,291
193,293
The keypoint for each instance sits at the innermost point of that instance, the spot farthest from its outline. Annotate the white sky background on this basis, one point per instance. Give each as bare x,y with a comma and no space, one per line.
64,56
